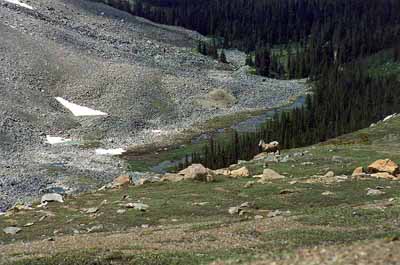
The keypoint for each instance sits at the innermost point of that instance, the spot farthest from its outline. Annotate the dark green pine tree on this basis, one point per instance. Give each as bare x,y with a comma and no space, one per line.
249,60
263,61
396,53
222,57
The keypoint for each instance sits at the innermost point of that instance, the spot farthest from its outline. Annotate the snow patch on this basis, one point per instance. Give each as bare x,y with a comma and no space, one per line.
56,140
18,3
80,110
390,117
112,152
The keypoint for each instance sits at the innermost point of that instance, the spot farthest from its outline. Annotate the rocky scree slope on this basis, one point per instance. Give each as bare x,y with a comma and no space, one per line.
147,77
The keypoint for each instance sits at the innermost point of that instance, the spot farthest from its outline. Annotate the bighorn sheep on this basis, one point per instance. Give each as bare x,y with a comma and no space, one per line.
272,147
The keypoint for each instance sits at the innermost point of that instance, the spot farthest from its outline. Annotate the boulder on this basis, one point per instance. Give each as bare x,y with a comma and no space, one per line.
241,172
121,181
383,175
222,171
12,230
172,177
269,174
52,197
329,174
232,167
358,172
198,172
260,156
140,178
384,165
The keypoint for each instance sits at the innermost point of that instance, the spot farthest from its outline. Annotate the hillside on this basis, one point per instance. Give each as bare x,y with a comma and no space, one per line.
146,77
307,217
273,138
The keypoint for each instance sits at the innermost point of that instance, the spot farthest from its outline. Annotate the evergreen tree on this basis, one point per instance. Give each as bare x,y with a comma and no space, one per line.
249,60
222,57
262,61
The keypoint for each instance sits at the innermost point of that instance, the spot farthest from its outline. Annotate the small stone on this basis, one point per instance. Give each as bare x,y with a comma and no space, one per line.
374,192
278,213
12,230
287,191
92,210
234,210
28,224
95,228
121,211
249,184
327,193
244,205
137,206
42,218
274,214
258,217
199,203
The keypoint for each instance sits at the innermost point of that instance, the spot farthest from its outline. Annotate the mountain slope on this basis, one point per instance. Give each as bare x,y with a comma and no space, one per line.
146,76
305,218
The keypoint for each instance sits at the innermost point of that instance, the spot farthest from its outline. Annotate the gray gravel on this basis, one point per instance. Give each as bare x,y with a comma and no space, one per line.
146,76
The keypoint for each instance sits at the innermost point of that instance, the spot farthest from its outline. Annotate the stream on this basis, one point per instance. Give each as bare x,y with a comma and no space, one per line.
249,125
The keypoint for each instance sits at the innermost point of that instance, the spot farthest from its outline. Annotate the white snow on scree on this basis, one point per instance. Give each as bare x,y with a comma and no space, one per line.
111,152
56,140
80,110
18,3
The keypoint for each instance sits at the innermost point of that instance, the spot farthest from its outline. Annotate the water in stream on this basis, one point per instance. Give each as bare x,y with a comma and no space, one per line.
249,125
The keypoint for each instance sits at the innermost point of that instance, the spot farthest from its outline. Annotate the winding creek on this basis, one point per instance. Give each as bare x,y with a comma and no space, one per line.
248,125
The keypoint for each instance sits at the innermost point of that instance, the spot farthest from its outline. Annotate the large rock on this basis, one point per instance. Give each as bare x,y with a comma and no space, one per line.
12,230
269,174
241,172
52,197
198,172
172,177
329,174
358,172
223,171
383,175
260,156
121,181
384,165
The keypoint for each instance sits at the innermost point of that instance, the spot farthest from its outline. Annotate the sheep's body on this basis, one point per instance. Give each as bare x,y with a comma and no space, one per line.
272,147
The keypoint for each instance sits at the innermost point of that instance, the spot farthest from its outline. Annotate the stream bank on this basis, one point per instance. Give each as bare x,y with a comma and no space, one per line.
165,159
